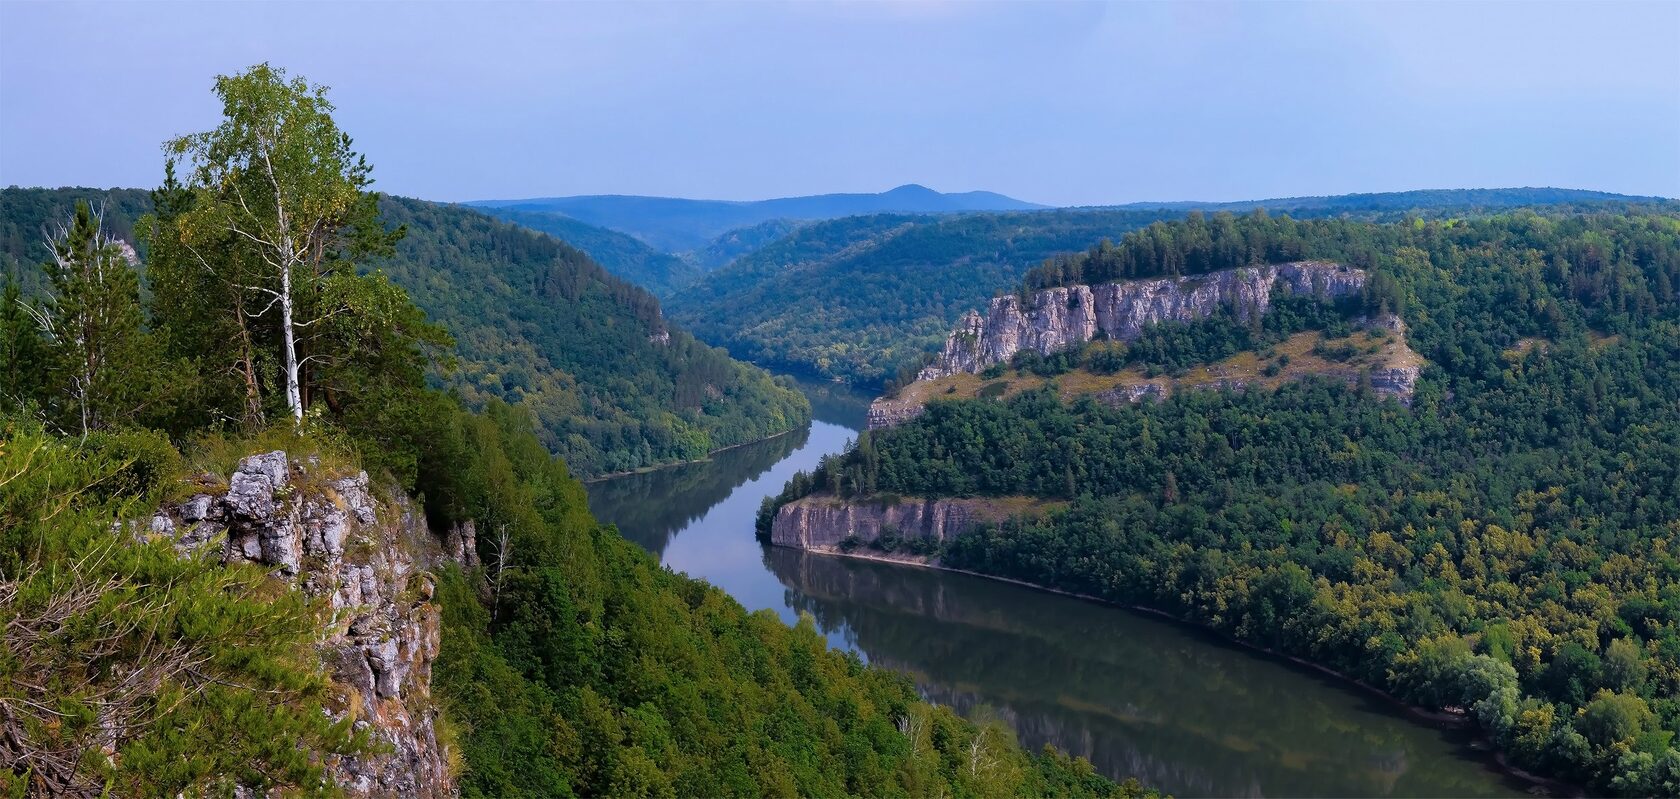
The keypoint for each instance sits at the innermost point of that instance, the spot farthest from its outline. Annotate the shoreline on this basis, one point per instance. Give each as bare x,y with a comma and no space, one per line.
674,464
1417,713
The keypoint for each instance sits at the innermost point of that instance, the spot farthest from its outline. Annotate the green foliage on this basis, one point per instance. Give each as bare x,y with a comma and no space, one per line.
1504,547
854,298
129,669
612,386
622,255
858,298
537,323
98,368
596,672
573,665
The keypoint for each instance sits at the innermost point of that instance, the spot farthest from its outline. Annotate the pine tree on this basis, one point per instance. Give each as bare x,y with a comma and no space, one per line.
99,358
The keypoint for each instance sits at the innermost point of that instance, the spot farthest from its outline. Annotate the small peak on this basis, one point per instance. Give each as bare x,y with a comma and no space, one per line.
912,188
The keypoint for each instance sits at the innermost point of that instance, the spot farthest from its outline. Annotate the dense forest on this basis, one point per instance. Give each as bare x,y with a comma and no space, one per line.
625,256
1504,547
583,669
862,298
535,322
851,299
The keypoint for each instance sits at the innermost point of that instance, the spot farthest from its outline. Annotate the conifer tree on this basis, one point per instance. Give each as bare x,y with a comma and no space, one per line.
99,359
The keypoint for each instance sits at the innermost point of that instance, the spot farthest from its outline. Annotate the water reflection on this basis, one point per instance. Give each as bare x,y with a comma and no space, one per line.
651,507
1137,696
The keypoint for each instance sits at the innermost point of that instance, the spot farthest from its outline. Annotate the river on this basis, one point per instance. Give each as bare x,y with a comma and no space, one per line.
1137,695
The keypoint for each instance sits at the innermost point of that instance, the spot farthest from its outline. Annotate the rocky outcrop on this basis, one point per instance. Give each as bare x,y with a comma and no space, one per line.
821,522
328,536
1057,319
891,411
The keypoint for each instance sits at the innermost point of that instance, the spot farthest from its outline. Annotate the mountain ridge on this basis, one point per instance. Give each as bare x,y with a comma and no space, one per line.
677,224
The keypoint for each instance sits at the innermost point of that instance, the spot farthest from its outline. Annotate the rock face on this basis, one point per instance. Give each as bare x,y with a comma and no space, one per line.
329,537
887,412
1061,318
822,522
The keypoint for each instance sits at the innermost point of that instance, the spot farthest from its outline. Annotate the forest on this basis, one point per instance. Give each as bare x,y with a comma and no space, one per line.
625,256
534,322
861,299
850,299
1503,548
587,670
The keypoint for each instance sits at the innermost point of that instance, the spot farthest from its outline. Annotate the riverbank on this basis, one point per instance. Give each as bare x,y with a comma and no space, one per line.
674,464
1540,785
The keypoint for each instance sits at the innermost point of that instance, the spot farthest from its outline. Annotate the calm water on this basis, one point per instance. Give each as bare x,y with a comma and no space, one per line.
1136,695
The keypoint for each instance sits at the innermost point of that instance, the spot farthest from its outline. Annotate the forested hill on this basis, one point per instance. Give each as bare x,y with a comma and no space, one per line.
861,298
621,254
676,225
536,322
28,216
1420,200
1504,547
852,298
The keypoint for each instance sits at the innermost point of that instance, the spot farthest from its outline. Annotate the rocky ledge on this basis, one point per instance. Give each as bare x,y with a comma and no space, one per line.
328,536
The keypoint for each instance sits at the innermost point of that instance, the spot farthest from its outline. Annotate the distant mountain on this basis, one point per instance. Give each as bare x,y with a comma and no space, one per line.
676,225
625,256
1417,200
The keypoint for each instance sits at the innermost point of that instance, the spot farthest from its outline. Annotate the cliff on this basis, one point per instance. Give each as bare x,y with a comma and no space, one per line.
325,533
1061,318
1064,318
821,522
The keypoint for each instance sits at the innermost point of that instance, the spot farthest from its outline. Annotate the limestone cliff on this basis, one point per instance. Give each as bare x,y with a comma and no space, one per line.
1060,318
821,522
1064,318
326,534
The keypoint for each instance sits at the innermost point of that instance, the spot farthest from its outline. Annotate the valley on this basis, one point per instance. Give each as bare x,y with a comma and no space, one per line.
427,426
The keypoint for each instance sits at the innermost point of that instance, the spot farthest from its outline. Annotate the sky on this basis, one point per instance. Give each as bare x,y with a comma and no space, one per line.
1063,104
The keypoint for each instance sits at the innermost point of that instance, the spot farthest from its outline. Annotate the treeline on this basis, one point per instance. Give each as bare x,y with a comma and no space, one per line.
573,664
1504,546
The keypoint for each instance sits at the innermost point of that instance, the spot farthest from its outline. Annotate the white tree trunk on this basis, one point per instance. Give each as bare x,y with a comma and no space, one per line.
294,395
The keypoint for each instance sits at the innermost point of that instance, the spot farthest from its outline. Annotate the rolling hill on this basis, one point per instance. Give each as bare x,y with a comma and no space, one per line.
676,224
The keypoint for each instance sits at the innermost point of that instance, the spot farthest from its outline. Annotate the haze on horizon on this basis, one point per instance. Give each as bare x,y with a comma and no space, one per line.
1064,104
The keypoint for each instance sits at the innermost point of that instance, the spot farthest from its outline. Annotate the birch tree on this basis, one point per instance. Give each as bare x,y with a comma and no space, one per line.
280,178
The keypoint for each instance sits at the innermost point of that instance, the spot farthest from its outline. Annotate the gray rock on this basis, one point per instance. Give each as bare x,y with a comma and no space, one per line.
822,522
1057,319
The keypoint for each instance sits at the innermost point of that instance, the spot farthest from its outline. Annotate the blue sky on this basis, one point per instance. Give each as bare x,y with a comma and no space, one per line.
1056,103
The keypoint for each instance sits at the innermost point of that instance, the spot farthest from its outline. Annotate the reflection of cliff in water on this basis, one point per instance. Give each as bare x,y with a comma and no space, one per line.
1135,695
652,506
